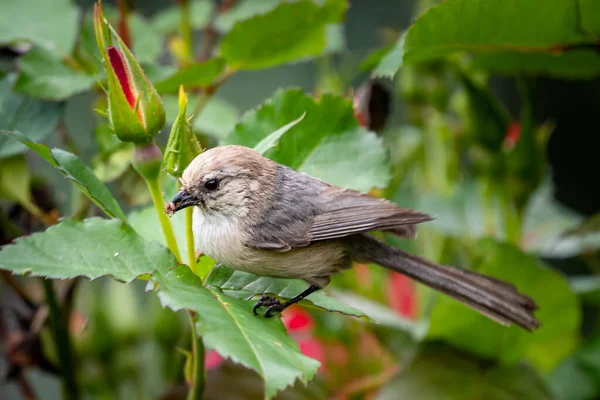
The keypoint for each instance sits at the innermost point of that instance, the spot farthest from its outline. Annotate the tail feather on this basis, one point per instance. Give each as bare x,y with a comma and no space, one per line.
496,299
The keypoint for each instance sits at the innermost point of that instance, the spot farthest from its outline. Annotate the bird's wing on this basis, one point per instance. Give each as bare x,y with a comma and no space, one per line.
345,212
308,210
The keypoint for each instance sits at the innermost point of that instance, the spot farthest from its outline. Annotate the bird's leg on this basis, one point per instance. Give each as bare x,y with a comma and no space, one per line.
274,306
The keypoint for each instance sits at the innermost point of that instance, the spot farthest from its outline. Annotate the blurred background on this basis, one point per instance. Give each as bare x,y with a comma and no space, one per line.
507,162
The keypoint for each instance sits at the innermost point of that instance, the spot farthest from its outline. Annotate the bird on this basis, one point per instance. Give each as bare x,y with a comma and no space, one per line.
259,216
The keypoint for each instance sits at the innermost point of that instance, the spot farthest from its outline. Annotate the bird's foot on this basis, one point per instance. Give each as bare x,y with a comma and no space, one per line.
273,305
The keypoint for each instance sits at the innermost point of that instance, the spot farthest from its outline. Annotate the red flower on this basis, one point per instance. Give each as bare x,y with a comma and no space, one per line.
402,295
299,325
212,360
512,135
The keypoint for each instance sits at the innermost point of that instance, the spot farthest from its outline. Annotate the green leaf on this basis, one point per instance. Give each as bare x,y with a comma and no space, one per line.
290,32
589,11
14,179
527,28
83,177
250,285
549,227
591,225
112,166
228,325
382,314
374,58
77,172
441,373
335,38
572,64
193,76
269,142
92,248
578,377
465,212
43,75
156,72
50,24
488,118
558,312
146,223
43,150
168,20
392,61
587,288
241,11
328,144
218,118
147,42
34,118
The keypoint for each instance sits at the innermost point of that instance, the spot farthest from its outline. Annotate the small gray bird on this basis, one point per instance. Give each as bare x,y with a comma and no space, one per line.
255,215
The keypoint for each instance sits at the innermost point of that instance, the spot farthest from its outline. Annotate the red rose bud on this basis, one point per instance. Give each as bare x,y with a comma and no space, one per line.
135,110
118,65
371,105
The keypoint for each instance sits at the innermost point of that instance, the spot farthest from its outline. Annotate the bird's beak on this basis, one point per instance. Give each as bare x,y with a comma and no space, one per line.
182,200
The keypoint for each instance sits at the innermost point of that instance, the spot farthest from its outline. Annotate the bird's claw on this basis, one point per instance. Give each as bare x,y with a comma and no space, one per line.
274,310
266,301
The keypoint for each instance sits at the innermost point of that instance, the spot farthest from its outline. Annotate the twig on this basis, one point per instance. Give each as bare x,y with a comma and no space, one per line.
25,387
198,374
123,24
209,36
209,33
185,26
367,383
59,326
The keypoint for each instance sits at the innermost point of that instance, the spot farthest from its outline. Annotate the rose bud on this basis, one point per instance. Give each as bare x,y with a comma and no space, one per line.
135,110
371,105
183,146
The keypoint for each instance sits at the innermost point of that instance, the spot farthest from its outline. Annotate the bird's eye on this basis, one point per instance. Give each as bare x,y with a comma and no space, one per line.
211,184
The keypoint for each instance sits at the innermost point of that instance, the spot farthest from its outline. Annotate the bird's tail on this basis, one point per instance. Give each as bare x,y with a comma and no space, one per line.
492,297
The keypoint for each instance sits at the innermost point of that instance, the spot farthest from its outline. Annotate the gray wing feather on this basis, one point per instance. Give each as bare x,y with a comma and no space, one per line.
346,212
307,210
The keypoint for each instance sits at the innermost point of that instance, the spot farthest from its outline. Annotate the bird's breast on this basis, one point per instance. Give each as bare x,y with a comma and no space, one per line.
222,239
218,236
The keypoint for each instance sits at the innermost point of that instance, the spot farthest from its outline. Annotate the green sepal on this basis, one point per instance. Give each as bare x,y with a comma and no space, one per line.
183,146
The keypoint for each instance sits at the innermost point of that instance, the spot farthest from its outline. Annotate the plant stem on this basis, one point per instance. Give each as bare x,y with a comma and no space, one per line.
60,331
123,23
197,389
25,387
512,221
189,237
165,224
37,212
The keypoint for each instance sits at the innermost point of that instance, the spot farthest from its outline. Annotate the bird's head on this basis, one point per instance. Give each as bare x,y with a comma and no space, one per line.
225,180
